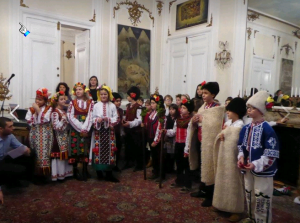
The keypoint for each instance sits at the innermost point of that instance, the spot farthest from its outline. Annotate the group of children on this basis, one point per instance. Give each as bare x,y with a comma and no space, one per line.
193,131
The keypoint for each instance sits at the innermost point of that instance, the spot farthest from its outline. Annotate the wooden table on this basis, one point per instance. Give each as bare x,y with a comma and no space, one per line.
21,129
289,139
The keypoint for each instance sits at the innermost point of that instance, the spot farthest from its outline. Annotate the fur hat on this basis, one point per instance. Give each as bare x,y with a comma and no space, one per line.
134,92
212,87
259,101
238,106
189,104
116,96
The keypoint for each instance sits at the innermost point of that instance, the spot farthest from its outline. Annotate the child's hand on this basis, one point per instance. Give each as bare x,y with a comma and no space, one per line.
99,120
240,163
186,155
142,125
250,166
35,106
163,131
222,137
126,124
83,134
195,118
153,144
105,119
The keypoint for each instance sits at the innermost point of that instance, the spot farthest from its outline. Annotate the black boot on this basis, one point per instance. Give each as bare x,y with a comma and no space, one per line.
100,175
76,173
209,196
201,193
109,177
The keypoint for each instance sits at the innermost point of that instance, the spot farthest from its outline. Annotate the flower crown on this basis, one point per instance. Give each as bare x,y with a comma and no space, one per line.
43,92
78,85
56,96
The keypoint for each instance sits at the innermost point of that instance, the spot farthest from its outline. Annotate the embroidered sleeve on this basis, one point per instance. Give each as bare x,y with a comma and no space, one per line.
75,123
138,120
29,117
241,145
188,135
172,132
58,125
263,163
158,132
88,120
97,114
113,120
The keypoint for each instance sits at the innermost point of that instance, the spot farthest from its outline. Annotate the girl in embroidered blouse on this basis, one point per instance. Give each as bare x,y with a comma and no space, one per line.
59,154
41,135
102,152
80,117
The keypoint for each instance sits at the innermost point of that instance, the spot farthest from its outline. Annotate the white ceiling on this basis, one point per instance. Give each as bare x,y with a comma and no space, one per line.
288,10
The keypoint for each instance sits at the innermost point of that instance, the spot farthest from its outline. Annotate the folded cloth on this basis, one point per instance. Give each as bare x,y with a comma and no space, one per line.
297,200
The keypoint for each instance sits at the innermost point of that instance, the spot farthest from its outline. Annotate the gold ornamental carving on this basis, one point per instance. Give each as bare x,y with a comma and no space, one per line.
135,11
252,16
69,54
159,7
249,31
4,89
296,33
211,21
170,5
22,4
94,17
287,48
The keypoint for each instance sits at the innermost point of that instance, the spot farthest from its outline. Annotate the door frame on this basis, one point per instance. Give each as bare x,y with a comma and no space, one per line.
20,14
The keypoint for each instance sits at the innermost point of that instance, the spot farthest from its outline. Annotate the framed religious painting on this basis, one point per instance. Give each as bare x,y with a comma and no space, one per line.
134,46
286,76
191,13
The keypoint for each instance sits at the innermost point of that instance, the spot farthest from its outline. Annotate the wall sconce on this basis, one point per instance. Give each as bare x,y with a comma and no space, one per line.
223,58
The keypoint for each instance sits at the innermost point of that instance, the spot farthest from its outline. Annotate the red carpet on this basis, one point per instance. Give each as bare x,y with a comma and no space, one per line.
132,200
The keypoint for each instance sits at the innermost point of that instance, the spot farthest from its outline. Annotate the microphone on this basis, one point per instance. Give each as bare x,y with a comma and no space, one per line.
11,76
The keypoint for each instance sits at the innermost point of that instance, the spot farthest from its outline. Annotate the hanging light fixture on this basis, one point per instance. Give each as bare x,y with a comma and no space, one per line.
223,58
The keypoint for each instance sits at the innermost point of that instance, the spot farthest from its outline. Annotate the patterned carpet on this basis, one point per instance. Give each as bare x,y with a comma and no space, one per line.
132,200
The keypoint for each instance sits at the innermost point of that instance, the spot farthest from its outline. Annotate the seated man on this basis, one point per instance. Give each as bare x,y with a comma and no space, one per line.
12,170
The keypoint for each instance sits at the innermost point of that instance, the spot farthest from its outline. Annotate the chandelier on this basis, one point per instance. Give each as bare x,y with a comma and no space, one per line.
223,58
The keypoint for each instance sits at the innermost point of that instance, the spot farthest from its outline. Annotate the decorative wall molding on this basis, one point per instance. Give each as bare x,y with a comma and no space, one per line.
255,31
253,51
22,4
94,17
159,6
170,4
211,21
287,48
249,31
297,33
274,38
135,11
278,37
169,34
252,16
69,54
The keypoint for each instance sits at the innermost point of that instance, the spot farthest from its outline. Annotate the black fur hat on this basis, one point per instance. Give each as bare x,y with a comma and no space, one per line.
212,87
189,104
134,92
116,96
238,106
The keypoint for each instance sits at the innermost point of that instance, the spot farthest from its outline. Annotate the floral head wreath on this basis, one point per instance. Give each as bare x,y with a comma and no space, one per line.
43,92
56,96
78,85
103,86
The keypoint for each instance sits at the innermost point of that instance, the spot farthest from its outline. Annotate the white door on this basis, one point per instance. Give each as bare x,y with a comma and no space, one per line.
261,77
178,61
197,63
41,58
82,57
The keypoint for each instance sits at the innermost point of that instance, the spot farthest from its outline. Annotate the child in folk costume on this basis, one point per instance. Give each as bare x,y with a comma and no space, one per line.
180,130
154,126
145,116
80,118
117,100
208,123
168,99
258,154
103,147
132,128
229,191
59,154
41,135
170,141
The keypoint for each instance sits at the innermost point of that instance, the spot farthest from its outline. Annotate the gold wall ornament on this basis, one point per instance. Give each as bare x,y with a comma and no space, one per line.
223,59
278,37
255,31
22,4
4,89
170,5
94,17
249,31
287,48
211,21
296,33
58,25
252,16
69,54
159,7
135,11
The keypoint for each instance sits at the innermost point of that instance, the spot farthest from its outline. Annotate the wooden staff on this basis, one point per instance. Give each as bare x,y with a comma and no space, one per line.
144,153
161,157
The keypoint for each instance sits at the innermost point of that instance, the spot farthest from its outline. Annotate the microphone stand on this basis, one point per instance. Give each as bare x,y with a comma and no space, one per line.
2,107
